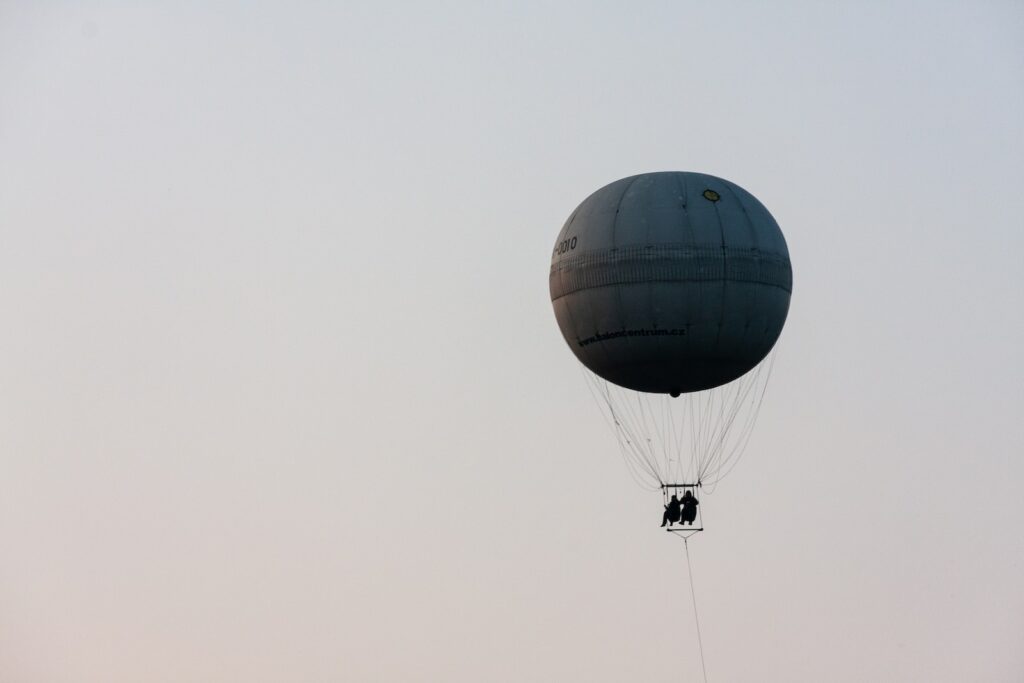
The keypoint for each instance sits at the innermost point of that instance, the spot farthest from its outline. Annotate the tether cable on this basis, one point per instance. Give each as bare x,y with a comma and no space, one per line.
696,619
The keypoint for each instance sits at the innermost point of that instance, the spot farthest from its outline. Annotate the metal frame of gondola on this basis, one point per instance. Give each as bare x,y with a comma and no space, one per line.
680,529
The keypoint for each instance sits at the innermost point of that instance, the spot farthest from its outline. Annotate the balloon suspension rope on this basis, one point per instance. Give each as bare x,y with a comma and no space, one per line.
696,619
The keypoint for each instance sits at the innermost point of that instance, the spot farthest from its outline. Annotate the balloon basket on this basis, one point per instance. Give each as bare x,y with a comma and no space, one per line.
681,528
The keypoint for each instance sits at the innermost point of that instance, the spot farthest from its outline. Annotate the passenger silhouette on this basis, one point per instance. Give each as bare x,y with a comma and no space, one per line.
689,511
672,511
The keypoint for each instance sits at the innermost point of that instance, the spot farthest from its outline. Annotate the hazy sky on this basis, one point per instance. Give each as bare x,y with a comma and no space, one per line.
282,397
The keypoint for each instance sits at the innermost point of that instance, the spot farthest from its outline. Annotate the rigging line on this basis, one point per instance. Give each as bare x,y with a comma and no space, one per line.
626,415
622,427
709,423
637,452
713,418
731,407
729,461
609,416
709,427
722,400
664,424
634,455
685,457
696,619
648,428
718,411
729,412
629,460
628,423
656,410
735,450
753,397
668,430
622,440
644,430
665,427
729,439
683,451
689,430
741,445
698,429
692,403
641,474
677,430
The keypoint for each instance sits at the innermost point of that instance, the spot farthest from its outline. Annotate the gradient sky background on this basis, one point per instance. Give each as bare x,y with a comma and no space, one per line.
282,397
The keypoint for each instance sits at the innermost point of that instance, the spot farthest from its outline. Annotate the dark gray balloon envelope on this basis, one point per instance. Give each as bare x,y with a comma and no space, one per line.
671,282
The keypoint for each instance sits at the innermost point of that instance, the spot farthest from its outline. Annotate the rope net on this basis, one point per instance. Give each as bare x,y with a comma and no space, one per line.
696,437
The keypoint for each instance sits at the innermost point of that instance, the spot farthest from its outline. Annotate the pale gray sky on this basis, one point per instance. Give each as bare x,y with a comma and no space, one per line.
282,397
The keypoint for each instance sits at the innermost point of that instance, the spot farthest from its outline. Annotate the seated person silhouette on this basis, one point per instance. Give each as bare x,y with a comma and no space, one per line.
689,511
672,511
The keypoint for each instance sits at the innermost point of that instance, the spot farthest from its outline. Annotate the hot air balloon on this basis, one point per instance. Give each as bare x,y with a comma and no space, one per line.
671,289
